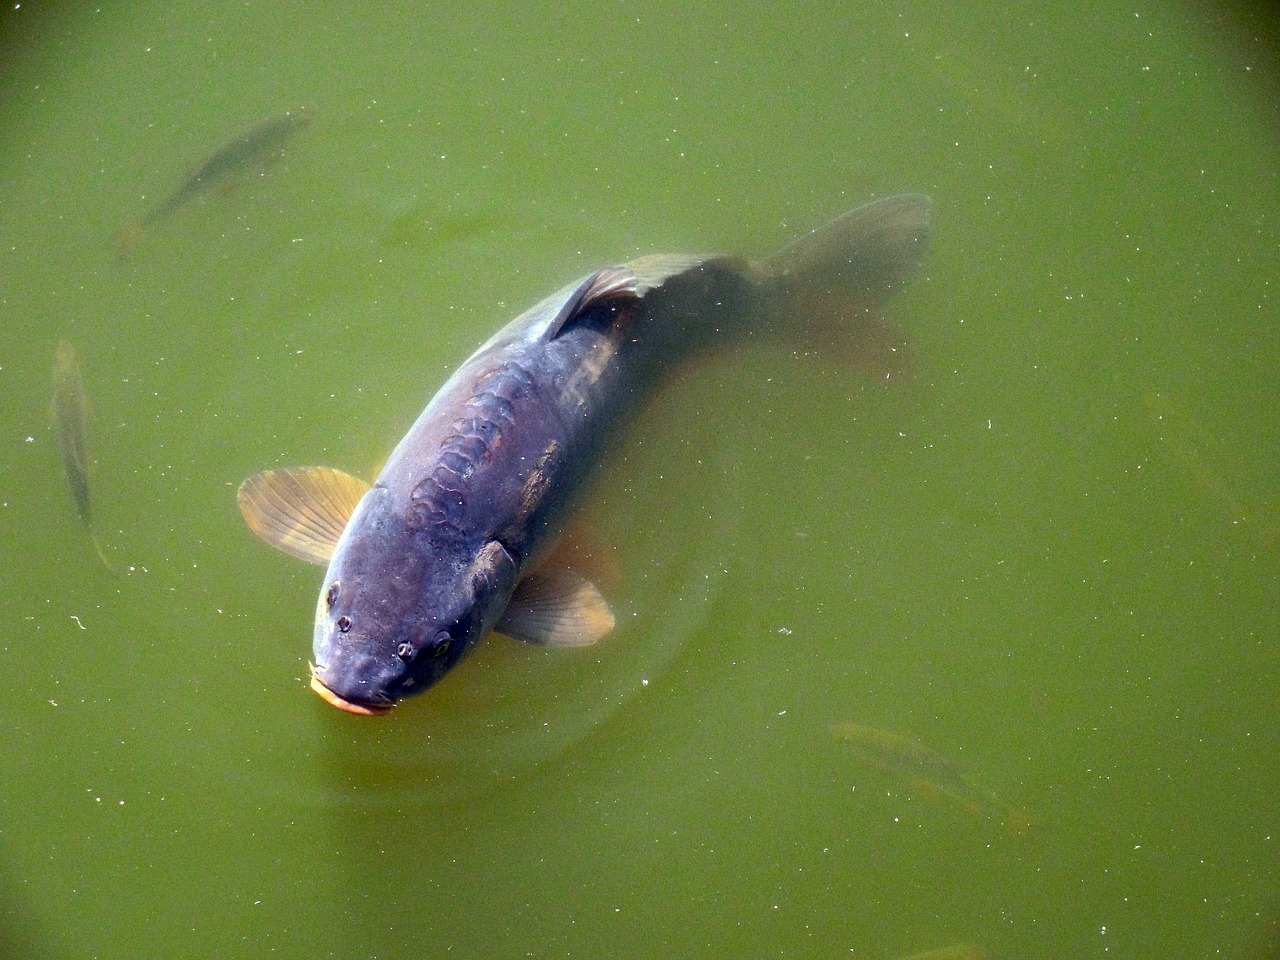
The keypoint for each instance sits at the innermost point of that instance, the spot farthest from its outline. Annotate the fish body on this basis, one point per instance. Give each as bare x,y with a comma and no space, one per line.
928,771
258,145
71,431
71,427
456,537
957,951
905,758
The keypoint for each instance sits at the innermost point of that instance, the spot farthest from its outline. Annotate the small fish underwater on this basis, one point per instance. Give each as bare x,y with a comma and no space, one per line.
71,430
923,769
462,533
258,146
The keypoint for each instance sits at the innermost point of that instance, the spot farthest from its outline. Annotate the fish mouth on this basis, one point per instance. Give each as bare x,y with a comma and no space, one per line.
342,703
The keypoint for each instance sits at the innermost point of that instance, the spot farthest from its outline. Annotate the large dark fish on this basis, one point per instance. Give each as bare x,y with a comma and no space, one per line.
71,429
455,537
260,144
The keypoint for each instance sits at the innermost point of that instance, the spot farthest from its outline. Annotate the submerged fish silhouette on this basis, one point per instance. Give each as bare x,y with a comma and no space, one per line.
260,144
927,771
455,537
957,951
71,429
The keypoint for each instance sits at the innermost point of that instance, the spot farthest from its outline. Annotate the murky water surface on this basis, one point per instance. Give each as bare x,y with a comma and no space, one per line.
1046,556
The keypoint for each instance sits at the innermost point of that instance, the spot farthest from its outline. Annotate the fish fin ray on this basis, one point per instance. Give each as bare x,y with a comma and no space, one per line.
301,511
828,288
611,283
556,608
865,254
583,549
656,269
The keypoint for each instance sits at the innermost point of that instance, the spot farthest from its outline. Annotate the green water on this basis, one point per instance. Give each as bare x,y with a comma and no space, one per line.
1049,553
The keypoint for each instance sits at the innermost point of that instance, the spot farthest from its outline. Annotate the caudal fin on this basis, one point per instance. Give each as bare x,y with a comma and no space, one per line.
828,288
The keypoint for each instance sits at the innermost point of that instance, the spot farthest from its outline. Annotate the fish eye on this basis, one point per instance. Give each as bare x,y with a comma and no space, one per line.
332,596
405,650
344,624
440,643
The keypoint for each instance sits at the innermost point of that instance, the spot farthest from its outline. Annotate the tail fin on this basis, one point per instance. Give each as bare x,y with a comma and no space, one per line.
828,287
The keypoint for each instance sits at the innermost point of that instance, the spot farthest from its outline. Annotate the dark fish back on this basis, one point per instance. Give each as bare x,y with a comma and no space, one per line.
71,426
259,144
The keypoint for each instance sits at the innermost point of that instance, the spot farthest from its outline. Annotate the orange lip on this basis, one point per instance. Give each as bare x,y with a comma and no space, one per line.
342,703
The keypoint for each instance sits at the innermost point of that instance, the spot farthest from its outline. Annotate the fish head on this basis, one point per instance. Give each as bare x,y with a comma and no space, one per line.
397,610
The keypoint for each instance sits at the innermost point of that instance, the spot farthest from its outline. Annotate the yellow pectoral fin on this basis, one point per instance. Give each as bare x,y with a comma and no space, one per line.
301,511
556,607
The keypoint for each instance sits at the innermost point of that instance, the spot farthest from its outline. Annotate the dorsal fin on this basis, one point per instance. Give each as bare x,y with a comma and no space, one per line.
301,511
611,283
